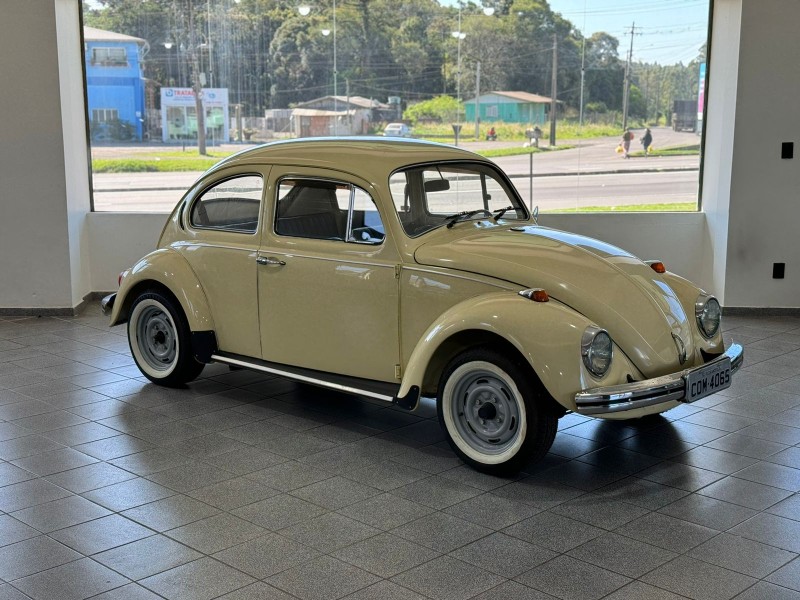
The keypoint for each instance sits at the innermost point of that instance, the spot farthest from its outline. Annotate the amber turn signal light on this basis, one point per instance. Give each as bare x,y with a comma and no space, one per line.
537,295
657,266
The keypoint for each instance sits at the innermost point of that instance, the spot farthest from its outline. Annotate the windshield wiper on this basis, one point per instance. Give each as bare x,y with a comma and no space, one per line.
453,219
501,211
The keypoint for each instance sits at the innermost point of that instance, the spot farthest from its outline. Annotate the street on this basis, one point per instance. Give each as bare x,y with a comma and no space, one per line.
589,174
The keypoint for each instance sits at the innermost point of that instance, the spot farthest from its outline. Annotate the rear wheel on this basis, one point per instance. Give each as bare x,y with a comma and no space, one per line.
493,414
160,341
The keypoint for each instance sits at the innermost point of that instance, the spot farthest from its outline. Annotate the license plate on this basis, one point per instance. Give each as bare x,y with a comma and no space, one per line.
708,380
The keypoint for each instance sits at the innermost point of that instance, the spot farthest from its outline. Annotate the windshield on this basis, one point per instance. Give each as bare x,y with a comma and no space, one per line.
429,196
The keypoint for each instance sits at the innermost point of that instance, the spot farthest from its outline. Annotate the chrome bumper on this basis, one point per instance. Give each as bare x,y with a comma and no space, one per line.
640,394
107,303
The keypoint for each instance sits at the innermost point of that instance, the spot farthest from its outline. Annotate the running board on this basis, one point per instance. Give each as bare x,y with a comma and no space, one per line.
379,390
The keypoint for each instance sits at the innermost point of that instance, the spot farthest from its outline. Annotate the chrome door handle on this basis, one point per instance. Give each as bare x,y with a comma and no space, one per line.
269,260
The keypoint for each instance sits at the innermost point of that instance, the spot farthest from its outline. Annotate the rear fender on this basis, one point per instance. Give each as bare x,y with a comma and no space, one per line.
169,269
546,334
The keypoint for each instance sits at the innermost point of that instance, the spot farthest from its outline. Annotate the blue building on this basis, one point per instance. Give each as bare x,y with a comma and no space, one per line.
509,107
114,84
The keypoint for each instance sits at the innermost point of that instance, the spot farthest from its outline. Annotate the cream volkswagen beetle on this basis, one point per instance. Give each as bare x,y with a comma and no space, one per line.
396,269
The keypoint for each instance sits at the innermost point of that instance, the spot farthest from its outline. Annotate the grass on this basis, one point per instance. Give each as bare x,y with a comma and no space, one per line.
154,164
565,129
675,207
495,152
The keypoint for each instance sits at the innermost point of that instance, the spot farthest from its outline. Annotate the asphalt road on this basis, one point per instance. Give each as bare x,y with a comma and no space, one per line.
590,174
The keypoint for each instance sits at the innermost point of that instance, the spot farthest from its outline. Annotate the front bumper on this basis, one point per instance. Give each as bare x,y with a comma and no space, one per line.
641,394
107,303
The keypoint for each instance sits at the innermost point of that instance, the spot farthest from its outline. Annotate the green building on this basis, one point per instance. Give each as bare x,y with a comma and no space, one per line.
509,107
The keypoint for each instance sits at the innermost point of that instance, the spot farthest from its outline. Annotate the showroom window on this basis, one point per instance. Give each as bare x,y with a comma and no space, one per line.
195,81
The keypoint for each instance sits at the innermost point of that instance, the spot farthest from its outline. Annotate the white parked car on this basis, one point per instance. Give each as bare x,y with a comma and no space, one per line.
397,130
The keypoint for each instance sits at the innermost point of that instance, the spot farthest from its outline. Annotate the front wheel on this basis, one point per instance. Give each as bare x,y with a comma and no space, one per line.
160,341
492,413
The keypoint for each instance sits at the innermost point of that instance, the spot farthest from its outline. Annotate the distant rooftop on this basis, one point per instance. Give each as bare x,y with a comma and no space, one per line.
521,96
92,34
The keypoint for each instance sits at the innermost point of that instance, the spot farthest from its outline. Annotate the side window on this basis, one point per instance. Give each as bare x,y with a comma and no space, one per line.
327,210
231,205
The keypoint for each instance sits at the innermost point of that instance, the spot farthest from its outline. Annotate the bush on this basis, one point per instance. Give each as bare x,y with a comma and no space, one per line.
442,109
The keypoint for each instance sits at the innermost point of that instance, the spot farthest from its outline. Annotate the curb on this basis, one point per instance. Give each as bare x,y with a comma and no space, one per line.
609,172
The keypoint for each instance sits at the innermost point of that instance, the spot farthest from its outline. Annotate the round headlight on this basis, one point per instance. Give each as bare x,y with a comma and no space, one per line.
596,350
708,314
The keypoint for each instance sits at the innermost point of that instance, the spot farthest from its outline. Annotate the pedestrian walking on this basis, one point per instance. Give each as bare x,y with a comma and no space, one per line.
627,137
647,140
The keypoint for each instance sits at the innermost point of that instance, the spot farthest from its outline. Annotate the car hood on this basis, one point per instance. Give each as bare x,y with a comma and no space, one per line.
611,287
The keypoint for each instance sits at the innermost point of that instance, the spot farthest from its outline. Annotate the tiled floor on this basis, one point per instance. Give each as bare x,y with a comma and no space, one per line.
246,487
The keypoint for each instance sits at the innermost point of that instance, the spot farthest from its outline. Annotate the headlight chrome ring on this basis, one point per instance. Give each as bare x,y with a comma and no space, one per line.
597,350
708,314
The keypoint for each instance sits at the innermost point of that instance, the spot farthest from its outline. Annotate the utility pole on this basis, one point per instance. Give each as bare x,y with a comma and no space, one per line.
554,93
627,84
583,79
197,87
478,101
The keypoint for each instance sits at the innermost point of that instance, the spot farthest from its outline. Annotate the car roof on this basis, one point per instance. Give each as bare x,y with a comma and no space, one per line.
369,157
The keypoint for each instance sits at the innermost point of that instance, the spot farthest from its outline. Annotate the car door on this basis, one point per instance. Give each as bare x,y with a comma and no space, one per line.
223,223
327,286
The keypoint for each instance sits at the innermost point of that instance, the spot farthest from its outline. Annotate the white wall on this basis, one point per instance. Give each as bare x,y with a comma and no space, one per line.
764,222
35,266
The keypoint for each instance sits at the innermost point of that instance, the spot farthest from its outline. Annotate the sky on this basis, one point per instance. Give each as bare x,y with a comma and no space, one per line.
667,31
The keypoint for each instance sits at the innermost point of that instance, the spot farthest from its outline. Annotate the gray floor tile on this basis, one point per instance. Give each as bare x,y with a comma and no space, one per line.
33,555
681,476
329,532
772,530
503,555
386,511
101,534
787,576
60,513
279,512
267,555
13,531
488,510
621,554
711,459
441,532
386,476
29,493
538,492
28,445
637,590
335,493
789,457
257,591
789,508
385,555
147,557
771,474
666,532
324,578
600,511
699,580
385,590
170,513
707,511
289,476
641,492
446,578
114,447
768,591
132,591
245,460
216,533
150,461
54,461
747,446
81,434
202,579
742,555
568,578
73,581
90,477
511,590
554,532
745,493
233,493
128,494
190,476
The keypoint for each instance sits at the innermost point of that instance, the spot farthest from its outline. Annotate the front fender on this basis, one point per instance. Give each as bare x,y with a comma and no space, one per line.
546,334
169,269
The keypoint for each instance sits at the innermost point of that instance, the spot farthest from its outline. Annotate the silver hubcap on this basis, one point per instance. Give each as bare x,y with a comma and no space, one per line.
155,335
485,412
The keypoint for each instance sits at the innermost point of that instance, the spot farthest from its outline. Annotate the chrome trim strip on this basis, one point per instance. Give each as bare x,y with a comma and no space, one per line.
297,377
639,394
348,261
464,277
